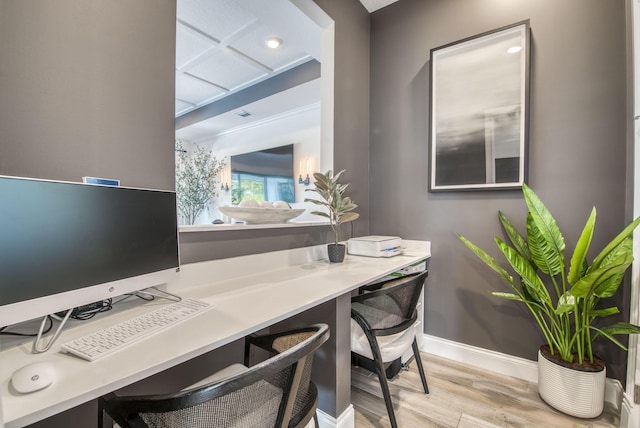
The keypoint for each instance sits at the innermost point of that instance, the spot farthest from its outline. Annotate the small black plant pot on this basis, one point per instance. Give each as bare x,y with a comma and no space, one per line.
336,252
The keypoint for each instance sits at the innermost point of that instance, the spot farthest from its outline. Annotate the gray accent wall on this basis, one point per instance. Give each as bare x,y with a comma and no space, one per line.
87,89
577,152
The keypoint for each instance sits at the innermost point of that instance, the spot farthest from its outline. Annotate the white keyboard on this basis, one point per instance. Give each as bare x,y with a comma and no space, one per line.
104,342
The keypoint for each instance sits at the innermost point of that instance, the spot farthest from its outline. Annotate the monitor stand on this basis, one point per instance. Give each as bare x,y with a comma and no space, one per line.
39,345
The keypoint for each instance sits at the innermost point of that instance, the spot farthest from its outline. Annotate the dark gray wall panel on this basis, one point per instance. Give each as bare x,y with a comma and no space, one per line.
577,151
351,129
87,92
201,246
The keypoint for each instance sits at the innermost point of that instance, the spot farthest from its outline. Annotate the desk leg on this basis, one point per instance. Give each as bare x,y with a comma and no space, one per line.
332,362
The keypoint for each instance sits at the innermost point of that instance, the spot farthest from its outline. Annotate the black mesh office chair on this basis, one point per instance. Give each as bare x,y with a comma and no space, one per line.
277,392
383,327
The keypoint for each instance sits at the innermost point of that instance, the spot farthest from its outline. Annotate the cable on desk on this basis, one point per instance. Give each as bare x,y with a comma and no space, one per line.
163,294
86,312
14,333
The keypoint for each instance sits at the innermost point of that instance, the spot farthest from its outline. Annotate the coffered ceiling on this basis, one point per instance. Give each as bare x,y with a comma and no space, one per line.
221,46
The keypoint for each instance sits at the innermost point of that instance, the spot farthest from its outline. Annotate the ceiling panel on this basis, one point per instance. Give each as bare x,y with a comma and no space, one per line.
254,45
182,106
189,46
226,70
195,91
217,18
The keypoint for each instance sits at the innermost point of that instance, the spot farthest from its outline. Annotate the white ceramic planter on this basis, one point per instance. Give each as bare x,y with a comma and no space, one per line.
573,392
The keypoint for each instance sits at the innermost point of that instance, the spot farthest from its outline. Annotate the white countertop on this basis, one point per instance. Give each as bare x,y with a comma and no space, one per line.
248,294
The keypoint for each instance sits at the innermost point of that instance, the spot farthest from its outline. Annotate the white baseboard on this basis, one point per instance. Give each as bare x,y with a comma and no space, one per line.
346,420
630,413
503,364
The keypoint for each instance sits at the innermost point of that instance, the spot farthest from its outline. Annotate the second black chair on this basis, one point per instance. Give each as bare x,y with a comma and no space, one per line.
383,327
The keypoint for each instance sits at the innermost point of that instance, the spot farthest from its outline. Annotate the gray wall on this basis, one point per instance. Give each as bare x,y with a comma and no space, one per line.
576,152
88,89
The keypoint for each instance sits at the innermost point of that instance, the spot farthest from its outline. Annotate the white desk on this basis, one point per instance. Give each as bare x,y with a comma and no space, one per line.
249,293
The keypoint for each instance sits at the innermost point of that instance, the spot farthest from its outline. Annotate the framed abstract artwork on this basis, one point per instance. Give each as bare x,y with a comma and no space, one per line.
478,127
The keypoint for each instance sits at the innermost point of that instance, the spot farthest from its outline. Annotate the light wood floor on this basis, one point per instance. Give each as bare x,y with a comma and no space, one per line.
461,397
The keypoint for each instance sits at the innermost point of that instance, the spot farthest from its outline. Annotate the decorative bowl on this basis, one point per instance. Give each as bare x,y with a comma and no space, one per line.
261,215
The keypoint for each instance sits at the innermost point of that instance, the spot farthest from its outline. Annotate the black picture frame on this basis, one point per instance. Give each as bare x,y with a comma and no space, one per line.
478,122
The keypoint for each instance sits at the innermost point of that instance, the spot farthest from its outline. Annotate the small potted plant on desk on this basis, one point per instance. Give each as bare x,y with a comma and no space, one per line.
565,304
340,208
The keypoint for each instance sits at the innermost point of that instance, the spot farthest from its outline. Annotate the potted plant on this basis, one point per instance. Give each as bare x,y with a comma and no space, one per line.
340,208
196,180
565,303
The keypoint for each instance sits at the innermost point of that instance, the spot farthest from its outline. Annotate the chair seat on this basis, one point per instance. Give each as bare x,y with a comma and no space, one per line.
228,371
391,347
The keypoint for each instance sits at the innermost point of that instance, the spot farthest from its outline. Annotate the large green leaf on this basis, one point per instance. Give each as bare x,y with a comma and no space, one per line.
544,256
527,273
604,312
616,329
621,328
611,246
587,285
508,296
519,243
579,259
608,335
552,241
487,259
608,286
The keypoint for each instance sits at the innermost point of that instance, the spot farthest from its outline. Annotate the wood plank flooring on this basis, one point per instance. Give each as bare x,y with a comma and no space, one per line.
460,397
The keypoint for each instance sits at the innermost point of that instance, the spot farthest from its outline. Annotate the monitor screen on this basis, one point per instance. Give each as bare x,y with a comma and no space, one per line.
265,175
68,244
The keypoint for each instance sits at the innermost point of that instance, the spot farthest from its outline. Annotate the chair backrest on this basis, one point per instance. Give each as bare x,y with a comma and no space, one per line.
388,307
262,396
306,400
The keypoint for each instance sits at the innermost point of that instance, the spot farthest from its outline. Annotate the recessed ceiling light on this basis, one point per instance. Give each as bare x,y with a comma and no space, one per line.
274,42
514,49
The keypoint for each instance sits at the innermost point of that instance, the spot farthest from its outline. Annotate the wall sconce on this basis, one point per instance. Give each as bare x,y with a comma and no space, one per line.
224,182
306,181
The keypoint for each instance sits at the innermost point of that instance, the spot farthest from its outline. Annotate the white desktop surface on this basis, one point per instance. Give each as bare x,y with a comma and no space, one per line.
248,294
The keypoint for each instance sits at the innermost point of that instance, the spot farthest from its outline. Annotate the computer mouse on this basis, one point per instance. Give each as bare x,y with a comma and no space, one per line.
33,377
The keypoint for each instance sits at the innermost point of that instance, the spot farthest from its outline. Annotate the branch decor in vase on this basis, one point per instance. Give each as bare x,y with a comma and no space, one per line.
196,180
339,208
565,303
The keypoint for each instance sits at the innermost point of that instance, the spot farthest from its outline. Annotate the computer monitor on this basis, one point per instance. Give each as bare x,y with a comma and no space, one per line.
65,245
